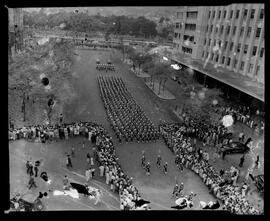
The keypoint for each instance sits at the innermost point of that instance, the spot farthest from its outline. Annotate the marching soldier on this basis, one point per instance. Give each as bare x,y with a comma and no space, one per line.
147,167
159,161
165,168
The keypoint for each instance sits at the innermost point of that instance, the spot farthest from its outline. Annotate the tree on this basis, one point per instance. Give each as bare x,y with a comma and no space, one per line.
139,59
161,71
203,105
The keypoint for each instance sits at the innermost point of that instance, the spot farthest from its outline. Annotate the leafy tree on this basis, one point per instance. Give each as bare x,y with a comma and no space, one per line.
161,71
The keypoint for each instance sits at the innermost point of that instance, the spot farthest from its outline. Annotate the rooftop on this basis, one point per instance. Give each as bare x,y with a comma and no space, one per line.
236,80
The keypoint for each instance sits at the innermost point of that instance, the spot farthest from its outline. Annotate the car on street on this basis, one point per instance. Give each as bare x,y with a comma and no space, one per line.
259,183
235,147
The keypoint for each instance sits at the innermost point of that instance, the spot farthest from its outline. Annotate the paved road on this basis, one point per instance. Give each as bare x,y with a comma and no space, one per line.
88,106
53,162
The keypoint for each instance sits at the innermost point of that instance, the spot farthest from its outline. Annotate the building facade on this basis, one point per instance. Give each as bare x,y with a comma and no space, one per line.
15,20
229,36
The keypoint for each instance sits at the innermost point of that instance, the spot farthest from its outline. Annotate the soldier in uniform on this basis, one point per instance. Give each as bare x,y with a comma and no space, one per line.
147,167
159,161
165,168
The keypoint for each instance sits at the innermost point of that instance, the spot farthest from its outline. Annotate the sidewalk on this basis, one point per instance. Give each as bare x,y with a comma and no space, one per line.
163,94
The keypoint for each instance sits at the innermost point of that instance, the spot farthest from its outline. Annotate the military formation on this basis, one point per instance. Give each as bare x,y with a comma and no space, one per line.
127,119
105,67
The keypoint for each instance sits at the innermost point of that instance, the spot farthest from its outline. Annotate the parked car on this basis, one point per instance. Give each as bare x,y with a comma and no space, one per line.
259,182
17,203
234,147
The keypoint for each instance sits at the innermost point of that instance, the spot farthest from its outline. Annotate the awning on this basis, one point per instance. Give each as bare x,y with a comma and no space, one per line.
235,80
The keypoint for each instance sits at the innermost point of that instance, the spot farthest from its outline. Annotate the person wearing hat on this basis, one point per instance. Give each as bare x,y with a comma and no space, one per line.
165,167
159,161
143,161
175,190
147,167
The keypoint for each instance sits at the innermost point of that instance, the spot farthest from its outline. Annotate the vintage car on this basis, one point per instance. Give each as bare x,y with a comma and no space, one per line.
259,183
19,203
234,147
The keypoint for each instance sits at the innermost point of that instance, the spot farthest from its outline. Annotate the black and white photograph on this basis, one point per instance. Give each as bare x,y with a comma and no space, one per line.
158,108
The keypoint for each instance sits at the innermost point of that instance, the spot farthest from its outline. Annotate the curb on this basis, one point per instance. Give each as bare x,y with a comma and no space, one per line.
158,95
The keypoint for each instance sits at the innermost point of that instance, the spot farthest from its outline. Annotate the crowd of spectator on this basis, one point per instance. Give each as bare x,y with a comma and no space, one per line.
115,177
211,134
128,120
222,184
252,119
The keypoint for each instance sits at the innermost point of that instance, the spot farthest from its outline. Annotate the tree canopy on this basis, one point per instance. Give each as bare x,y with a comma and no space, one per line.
82,22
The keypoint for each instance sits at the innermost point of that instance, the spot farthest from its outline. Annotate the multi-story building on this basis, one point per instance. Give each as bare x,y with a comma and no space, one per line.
15,20
229,36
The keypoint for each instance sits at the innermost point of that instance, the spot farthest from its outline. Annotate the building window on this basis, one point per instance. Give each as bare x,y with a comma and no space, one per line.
245,49
217,58
231,46
213,14
252,13
204,41
192,15
258,32
224,14
261,52
248,32
219,14
188,37
242,31
212,56
209,15
202,54
219,43
211,28
228,30
187,50
214,42
237,14
245,14
235,63
223,60
179,35
242,65
234,30
254,50
175,35
228,61
231,14
250,68
261,13
225,45
209,41
207,54
216,30
221,30
191,27
257,70
238,47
